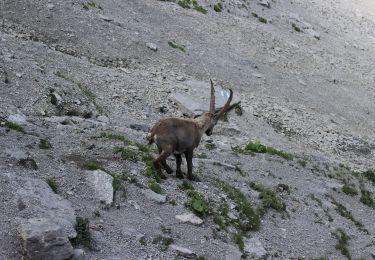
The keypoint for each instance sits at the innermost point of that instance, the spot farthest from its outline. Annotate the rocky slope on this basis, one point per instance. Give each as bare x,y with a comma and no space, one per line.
81,83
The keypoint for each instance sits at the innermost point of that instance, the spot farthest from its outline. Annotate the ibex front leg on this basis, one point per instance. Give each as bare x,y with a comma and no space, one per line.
165,165
189,161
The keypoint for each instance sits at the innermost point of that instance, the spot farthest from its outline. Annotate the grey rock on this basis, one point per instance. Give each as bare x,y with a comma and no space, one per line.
17,119
265,3
42,202
101,182
183,251
16,154
180,78
57,98
254,247
189,217
233,253
105,18
44,239
78,254
155,196
139,127
152,46
313,33
103,119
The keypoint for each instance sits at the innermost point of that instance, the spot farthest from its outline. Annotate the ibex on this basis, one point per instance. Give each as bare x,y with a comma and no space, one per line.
179,136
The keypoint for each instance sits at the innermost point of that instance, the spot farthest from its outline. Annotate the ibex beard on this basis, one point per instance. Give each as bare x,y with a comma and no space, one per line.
179,136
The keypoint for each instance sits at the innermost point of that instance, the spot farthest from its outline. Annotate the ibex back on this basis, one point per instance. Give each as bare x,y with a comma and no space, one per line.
179,136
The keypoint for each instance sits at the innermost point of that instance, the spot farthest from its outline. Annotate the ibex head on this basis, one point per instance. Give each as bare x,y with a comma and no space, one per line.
214,117
182,135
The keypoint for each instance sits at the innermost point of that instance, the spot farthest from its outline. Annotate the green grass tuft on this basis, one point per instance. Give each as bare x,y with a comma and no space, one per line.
155,187
83,237
28,163
262,20
218,7
198,203
257,147
91,166
44,144
349,189
343,239
115,137
366,198
52,184
174,45
185,185
13,126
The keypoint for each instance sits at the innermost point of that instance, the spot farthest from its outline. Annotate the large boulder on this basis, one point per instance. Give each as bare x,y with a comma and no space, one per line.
44,239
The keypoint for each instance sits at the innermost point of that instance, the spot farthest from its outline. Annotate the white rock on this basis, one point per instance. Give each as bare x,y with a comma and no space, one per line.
103,119
155,196
18,119
254,247
102,183
105,18
183,251
152,46
233,253
265,3
189,217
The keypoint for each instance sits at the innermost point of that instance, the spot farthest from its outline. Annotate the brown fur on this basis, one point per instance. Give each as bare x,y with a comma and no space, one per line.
179,136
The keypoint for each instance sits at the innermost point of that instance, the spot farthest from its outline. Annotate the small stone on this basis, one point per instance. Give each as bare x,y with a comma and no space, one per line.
180,78
19,75
302,82
189,217
78,254
257,75
105,18
139,127
183,251
103,119
159,198
254,247
265,3
152,46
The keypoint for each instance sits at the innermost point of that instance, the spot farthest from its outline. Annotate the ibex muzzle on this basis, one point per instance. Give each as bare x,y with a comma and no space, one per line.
179,136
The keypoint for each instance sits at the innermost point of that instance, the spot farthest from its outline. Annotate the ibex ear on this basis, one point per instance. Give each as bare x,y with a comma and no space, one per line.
212,100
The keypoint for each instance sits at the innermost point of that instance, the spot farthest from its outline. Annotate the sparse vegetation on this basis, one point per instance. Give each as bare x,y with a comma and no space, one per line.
13,126
218,7
198,203
199,8
238,110
174,45
349,189
302,162
210,146
91,4
163,242
256,147
255,15
248,218
52,184
127,153
28,163
370,175
165,230
115,137
155,187
91,166
83,237
341,209
366,198
44,144
343,239
296,28
268,197
262,19
185,185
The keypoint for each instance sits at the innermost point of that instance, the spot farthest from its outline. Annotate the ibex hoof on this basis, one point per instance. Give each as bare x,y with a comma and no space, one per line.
191,177
179,175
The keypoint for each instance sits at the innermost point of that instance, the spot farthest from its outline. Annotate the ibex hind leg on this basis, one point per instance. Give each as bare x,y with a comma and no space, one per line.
164,164
158,162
